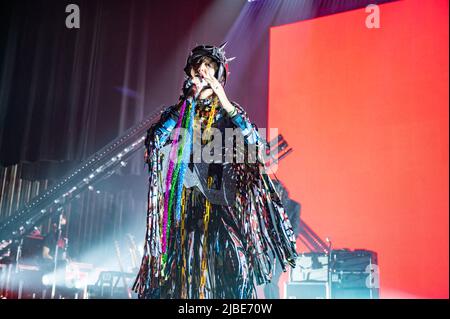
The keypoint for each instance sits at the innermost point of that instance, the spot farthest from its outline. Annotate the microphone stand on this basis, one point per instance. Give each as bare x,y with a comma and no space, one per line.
329,274
56,257
18,257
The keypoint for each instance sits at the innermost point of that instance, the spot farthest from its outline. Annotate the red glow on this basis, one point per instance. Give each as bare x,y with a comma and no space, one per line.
366,111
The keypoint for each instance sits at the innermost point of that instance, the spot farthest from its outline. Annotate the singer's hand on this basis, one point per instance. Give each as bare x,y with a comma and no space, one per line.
208,75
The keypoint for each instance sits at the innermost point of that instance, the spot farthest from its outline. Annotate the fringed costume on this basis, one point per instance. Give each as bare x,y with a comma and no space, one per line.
199,242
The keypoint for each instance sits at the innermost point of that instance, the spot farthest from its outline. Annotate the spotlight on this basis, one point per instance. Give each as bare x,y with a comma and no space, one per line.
47,280
91,188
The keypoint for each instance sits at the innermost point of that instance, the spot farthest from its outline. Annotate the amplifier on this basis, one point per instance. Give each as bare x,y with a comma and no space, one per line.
352,261
309,278
344,274
306,290
354,293
310,267
354,274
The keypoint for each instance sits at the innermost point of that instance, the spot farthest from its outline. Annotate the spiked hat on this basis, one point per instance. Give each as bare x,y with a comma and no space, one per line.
215,53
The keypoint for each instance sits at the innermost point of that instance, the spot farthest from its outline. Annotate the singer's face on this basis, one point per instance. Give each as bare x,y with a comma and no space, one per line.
209,66
205,64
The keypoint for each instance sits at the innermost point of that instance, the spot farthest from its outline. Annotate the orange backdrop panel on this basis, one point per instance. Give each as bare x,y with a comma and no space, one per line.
366,111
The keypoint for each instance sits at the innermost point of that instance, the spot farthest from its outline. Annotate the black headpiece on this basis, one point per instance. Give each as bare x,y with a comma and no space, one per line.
215,53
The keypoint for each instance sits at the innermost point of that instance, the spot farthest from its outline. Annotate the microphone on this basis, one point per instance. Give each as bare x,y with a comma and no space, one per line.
191,87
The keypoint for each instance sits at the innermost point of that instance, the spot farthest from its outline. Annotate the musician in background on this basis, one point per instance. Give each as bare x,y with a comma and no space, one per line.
55,240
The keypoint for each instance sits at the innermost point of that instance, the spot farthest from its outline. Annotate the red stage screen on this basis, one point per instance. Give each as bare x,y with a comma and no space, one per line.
366,111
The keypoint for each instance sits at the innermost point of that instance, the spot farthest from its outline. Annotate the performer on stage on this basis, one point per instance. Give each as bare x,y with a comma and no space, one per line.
53,241
214,229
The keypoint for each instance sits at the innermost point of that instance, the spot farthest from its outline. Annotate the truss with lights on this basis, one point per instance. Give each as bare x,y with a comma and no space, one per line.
99,166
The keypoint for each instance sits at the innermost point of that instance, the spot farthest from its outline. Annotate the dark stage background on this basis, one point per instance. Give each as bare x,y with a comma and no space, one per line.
65,93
